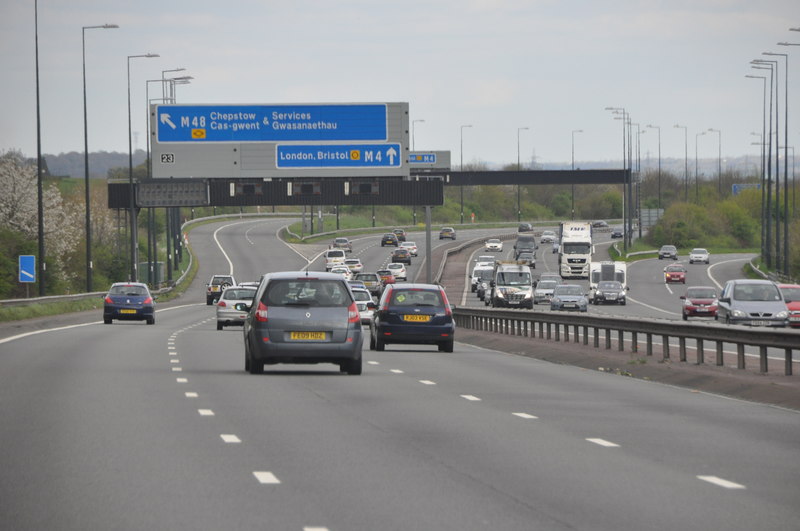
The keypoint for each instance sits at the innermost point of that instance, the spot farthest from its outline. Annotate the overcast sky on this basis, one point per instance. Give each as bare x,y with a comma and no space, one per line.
497,65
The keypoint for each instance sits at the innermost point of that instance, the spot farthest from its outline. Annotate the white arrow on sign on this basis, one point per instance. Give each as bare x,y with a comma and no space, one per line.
27,274
391,153
165,120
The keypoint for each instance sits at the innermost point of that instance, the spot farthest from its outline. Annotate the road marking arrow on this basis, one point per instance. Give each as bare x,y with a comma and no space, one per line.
165,120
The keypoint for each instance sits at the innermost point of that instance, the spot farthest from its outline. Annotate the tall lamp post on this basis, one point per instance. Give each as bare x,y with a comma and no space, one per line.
40,265
519,168
86,158
696,183
132,204
413,127
785,160
659,161
685,161
719,159
626,199
572,208
461,168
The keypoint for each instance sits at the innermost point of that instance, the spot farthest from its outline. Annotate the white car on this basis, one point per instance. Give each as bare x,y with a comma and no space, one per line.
494,245
486,260
344,271
699,255
548,236
398,270
411,246
354,264
334,257
365,303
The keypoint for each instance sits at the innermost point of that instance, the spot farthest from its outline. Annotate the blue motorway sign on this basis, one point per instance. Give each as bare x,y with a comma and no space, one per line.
27,268
339,156
422,158
272,123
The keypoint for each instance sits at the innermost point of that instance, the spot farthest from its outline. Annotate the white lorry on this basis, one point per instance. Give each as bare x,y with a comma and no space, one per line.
575,251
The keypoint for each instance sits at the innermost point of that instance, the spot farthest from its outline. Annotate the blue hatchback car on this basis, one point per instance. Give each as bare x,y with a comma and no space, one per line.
129,301
413,314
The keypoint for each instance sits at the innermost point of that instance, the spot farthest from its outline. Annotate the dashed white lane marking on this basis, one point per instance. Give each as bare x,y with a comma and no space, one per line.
315,529
191,395
397,371
266,478
175,361
177,369
173,353
181,380
373,363
427,382
603,442
721,482
171,348
470,397
525,415
205,412
230,438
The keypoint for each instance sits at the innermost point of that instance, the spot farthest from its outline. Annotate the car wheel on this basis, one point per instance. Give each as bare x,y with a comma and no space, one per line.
219,325
151,320
371,342
209,300
380,346
446,346
727,319
685,317
352,367
254,367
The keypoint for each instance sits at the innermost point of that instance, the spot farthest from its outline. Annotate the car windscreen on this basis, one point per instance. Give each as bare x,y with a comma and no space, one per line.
239,294
416,297
756,292
609,285
576,248
218,281
546,285
569,290
791,294
362,295
335,253
131,291
514,279
306,292
484,274
704,293
367,277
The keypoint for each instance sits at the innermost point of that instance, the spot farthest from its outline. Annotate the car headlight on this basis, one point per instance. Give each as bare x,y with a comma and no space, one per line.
738,313
782,315
484,285
499,294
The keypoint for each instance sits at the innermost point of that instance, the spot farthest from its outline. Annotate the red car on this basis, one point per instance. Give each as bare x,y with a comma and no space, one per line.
387,277
675,273
791,294
699,301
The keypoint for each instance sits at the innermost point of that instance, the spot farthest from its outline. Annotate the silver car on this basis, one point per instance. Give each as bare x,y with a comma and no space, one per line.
569,297
699,255
303,317
227,314
366,304
544,291
753,302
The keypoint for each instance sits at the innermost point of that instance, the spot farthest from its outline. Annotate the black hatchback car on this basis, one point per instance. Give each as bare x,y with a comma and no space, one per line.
413,314
401,255
390,238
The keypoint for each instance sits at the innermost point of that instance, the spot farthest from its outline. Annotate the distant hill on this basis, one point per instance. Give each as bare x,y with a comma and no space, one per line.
71,164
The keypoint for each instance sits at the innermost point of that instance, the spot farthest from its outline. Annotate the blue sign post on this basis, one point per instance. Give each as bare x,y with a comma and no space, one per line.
27,268
272,123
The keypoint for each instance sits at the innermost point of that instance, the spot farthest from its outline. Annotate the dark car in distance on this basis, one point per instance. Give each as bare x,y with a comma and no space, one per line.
401,255
300,317
413,314
668,251
401,234
390,238
129,301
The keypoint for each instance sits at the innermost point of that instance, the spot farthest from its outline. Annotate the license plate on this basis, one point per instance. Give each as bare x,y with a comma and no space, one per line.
127,311
417,318
570,306
307,336
701,310
758,323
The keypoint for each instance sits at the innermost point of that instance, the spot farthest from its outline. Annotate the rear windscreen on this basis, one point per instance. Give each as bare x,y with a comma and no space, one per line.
306,292
416,298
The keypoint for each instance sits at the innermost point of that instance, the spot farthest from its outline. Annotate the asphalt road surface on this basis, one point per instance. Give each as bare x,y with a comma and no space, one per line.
130,426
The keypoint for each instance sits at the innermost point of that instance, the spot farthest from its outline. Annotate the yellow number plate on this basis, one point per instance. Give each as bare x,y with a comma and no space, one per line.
127,311
309,336
417,318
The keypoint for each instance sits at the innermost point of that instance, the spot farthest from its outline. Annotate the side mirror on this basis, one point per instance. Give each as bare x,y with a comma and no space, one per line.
725,299
371,305
241,307
491,283
682,297
627,288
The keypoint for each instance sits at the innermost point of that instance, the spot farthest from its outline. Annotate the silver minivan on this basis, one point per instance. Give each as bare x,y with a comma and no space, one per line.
752,302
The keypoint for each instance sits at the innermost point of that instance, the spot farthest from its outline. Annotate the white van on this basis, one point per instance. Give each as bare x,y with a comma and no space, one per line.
333,258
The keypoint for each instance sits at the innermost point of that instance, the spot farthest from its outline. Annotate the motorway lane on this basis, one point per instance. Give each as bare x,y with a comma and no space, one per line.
105,437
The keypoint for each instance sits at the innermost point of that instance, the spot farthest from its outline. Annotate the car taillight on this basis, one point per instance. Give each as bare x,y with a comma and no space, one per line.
387,296
222,303
261,313
447,310
108,300
148,300
352,314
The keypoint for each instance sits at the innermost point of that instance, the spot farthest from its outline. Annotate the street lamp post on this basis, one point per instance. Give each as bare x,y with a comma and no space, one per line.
86,158
519,168
768,65
573,169
659,161
785,161
719,159
685,161
696,184
626,195
132,205
461,168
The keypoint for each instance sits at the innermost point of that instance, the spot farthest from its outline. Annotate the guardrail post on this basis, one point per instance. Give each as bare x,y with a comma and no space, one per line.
558,332
549,335
585,335
720,360
634,342
596,337
620,340
787,370
740,355
649,344
763,355
665,347
541,329
682,348
608,338
701,356
577,334
512,324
